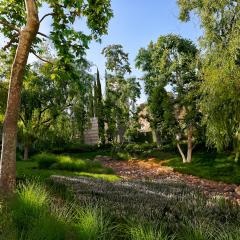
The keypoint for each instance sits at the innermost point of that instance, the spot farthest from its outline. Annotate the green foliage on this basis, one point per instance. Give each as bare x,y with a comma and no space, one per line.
162,115
171,61
168,206
220,104
34,215
29,171
121,93
74,148
44,160
135,148
219,19
117,60
212,166
99,110
50,105
3,97
67,163
171,209
91,224
68,42
148,233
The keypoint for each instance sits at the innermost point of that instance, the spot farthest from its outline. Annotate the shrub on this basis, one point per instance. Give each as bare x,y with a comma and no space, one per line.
140,148
67,163
75,148
19,156
45,160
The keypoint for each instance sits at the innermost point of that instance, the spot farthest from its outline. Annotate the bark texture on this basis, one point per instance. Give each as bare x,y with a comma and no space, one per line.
190,144
26,152
9,137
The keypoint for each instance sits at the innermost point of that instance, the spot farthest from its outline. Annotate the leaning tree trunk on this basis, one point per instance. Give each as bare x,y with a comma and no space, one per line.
9,137
181,153
190,144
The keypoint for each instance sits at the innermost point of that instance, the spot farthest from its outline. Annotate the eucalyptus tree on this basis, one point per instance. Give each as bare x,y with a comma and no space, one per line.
221,60
119,91
172,61
20,23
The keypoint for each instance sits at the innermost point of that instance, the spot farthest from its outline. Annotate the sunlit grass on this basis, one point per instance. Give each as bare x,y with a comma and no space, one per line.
33,215
212,166
28,170
139,232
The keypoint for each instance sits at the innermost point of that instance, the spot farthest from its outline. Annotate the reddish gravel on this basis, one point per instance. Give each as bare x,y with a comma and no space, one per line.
150,169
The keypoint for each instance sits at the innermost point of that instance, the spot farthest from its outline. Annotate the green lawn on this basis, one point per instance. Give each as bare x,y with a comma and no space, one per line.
212,166
27,170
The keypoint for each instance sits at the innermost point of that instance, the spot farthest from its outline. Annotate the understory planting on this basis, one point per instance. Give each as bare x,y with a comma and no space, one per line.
103,210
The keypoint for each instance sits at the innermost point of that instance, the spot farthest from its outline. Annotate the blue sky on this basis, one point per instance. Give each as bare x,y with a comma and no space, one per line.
136,23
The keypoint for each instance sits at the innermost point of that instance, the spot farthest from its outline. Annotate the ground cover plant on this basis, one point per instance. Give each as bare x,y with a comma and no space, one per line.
42,166
158,209
36,214
212,166
133,210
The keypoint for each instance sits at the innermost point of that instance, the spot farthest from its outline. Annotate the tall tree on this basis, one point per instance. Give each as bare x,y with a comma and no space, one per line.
99,109
116,98
173,61
221,73
162,117
20,23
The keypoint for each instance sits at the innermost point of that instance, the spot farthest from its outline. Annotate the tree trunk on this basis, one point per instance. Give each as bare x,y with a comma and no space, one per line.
156,138
9,137
190,144
181,152
26,152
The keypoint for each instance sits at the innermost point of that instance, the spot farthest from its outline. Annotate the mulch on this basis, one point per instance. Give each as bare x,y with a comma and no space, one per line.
150,169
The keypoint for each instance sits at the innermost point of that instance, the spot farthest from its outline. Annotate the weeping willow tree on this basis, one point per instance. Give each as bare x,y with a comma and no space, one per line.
221,68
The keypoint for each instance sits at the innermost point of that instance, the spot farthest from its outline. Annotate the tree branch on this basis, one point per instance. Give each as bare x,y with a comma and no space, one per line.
39,57
42,34
12,40
7,24
46,15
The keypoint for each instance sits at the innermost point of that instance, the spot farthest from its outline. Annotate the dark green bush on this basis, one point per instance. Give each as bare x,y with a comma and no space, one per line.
45,160
75,148
19,156
134,148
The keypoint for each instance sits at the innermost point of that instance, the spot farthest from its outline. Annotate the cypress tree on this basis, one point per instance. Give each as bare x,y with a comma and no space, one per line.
99,109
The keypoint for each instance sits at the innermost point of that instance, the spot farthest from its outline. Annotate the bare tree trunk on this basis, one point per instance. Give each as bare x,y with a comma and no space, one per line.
156,138
181,152
26,152
190,144
9,137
